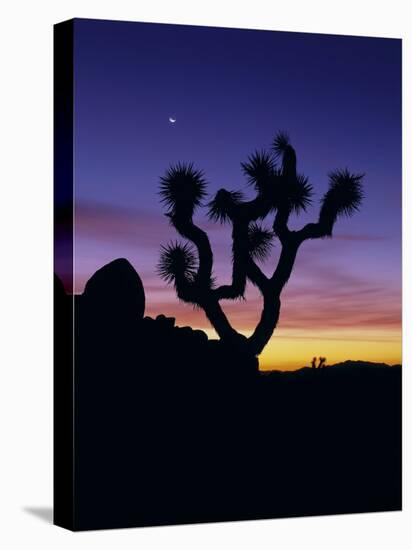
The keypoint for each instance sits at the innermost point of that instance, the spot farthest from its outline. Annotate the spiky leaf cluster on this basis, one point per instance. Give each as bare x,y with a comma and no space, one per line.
284,150
343,197
260,241
182,189
295,194
177,261
221,207
280,143
260,170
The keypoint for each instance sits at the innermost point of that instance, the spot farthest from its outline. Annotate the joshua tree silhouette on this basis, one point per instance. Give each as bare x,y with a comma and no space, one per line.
280,191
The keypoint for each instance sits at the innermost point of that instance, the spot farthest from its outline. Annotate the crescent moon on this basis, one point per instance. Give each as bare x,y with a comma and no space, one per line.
172,120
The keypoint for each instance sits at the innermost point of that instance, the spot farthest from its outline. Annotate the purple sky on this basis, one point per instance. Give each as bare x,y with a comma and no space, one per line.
339,98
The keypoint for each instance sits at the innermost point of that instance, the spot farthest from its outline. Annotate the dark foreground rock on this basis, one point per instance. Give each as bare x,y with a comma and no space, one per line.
172,427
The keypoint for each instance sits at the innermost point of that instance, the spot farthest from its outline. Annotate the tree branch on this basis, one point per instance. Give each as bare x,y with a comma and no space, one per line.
252,210
218,319
267,324
240,254
199,238
280,224
185,290
256,276
285,266
314,231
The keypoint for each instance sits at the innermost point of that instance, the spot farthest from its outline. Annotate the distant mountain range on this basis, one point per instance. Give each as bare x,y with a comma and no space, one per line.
348,365
363,364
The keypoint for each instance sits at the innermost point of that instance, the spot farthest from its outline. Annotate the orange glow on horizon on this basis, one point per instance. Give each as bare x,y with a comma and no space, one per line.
291,350
336,317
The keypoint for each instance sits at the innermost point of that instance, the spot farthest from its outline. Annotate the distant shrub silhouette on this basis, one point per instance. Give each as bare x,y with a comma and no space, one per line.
313,362
280,191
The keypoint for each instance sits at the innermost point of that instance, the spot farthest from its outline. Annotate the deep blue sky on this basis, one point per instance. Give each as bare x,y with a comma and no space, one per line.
231,90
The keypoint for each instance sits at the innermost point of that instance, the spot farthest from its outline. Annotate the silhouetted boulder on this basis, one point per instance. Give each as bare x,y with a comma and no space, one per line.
167,322
200,336
148,319
186,331
117,290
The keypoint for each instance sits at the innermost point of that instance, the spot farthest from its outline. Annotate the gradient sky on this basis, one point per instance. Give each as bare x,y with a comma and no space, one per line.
339,98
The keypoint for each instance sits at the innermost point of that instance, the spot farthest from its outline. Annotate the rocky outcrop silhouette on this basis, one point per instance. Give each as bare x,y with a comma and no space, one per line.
172,427
111,309
116,289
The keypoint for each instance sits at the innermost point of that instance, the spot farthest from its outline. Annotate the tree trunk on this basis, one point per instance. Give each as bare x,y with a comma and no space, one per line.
271,295
219,320
267,324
